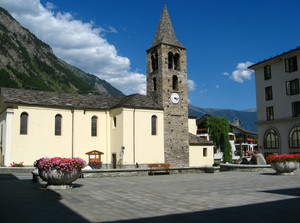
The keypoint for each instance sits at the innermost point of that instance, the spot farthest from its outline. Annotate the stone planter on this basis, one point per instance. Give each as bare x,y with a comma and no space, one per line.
57,178
96,166
284,167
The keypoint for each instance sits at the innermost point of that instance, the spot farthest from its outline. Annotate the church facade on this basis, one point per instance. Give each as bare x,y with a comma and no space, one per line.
127,130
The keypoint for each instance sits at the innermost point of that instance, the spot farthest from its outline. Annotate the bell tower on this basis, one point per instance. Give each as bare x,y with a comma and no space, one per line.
167,85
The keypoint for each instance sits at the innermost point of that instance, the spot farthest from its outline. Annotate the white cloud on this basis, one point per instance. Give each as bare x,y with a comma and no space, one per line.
217,86
125,81
191,85
203,91
50,5
241,73
80,44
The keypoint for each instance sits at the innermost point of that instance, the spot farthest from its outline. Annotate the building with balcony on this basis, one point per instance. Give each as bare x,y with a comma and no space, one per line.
242,141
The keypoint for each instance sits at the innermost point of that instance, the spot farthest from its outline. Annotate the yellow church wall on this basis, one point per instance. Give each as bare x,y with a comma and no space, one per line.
83,140
149,148
197,158
133,132
192,126
128,133
116,132
40,140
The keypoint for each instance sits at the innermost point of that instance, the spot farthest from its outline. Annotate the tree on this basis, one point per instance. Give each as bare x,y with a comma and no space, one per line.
218,128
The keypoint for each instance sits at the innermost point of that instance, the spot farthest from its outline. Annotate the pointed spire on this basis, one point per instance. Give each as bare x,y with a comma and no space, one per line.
165,32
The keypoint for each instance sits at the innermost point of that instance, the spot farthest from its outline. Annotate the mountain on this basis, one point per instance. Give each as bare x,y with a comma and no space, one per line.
29,63
250,110
247,118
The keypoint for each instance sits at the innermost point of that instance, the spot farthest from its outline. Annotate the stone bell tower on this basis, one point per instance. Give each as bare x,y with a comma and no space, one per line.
167,85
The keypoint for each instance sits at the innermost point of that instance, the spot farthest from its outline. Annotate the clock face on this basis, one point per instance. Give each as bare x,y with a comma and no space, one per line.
175,98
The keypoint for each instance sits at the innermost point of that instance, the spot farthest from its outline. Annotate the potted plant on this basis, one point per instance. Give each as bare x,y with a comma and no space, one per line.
59,171
95,164
284,163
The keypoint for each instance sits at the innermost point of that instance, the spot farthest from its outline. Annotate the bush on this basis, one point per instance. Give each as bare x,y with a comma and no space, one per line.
13,164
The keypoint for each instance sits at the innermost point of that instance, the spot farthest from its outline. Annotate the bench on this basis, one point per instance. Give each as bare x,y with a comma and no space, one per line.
159,167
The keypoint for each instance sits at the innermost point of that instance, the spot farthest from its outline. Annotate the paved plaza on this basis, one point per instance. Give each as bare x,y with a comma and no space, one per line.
219,197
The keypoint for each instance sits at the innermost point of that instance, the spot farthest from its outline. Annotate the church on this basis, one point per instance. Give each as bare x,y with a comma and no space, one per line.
125,130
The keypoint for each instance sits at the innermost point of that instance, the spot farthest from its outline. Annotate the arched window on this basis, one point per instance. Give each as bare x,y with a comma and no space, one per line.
170,60
153,63
294,137
175,82
154,84
271,139
94,125
115,121
58,119
153,125
176,62
24,123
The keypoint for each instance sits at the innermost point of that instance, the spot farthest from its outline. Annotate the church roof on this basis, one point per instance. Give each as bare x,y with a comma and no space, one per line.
165,32
67,100
196,140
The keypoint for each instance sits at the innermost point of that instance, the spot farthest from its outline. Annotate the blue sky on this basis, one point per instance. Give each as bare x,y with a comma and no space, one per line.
109,39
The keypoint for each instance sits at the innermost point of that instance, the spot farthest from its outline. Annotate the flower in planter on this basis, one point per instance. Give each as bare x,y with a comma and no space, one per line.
283,158
13,164
60,164
95,164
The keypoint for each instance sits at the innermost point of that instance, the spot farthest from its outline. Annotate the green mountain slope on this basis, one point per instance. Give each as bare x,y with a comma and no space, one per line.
247,118
27,62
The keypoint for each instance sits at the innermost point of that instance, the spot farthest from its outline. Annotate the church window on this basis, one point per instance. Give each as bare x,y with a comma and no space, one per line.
153,125
294,137
24,123
154,83
170,60
175,82
115,121
204,152
58,119
94,125
176,62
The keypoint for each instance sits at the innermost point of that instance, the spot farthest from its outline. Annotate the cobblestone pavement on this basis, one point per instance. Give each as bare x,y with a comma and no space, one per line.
219,197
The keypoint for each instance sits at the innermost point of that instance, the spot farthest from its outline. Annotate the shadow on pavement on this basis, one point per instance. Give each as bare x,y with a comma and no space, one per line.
26,201
290,191
278,211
